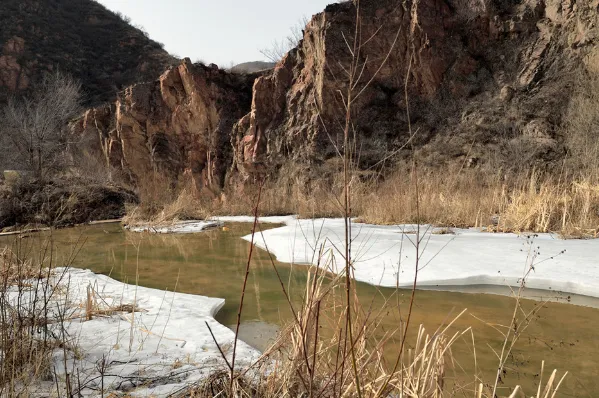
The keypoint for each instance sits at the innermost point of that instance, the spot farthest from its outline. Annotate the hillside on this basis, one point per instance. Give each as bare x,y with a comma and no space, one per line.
251,67
79,37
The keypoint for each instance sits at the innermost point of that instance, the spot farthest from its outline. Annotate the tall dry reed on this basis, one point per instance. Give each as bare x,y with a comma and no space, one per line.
30,332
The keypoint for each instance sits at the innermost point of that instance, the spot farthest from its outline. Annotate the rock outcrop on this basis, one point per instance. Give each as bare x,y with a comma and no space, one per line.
458,56
178,125
477,83
12,75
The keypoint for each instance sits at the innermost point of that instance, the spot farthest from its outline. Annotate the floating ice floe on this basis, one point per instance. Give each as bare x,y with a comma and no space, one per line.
190,227
386,255
161,347
182,227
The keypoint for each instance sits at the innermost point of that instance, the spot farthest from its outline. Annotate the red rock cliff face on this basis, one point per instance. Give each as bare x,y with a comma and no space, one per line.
481,76
485,83
177,125
298,110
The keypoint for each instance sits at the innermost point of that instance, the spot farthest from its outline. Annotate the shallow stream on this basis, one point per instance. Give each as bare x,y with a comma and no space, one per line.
213,263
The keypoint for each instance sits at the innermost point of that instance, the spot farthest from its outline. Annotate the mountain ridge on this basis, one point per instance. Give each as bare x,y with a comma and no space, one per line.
252,67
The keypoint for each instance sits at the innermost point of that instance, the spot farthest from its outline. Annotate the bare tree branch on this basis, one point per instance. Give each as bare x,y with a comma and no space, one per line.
279,49
34,128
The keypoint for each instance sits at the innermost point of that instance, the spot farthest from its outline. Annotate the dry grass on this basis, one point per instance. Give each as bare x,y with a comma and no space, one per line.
311,357
186,206
163,202
96,306
531,203
15,270
318,199
27,339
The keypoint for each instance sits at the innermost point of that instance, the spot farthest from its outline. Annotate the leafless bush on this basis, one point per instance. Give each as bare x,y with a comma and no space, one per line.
29,331
34,130
279,48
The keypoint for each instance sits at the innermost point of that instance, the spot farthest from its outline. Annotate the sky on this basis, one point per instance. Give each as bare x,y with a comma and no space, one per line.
217,31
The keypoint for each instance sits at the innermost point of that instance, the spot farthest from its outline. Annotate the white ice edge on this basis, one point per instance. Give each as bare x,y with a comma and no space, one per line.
195,226
385,255
250,219
168,347
181,227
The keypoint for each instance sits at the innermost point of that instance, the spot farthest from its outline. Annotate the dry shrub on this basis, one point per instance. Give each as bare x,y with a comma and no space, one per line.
163,202
34,130
530,203
28,336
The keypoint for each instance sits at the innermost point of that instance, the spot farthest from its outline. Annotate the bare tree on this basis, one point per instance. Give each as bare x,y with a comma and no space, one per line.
278,49
34,129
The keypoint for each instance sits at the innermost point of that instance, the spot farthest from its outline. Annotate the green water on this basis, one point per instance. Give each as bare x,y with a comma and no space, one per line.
213,264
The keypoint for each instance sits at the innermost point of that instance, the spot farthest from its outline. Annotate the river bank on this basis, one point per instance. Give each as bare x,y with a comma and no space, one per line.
212,263
130,339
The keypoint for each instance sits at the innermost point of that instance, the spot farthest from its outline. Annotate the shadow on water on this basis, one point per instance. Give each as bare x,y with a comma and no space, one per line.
212,264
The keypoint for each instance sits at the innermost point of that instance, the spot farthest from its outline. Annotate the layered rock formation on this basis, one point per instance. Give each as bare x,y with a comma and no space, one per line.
178,125
483,80
478,83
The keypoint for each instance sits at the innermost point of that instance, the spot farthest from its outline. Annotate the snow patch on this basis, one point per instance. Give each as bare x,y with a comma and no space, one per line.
182,227
250,219
385,255
155,351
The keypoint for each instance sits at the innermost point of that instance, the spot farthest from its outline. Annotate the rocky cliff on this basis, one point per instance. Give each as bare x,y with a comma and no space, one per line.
486,84
79,37
485,79
178,125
